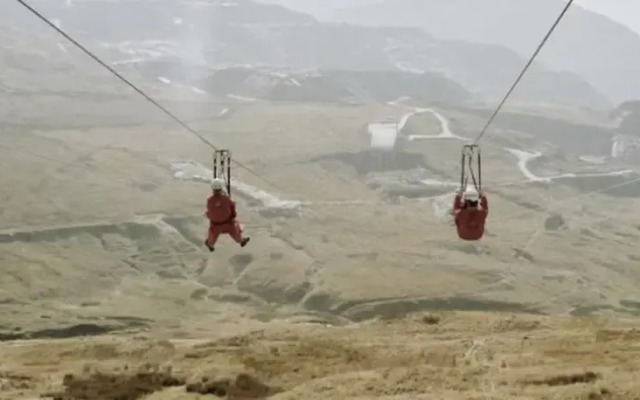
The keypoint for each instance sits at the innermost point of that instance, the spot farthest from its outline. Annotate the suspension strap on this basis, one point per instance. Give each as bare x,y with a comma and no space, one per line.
479,170
472,174
215,165
463,167
468,167
228,177
222,167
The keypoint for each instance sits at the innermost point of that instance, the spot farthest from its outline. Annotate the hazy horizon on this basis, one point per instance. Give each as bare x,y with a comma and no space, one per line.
626,12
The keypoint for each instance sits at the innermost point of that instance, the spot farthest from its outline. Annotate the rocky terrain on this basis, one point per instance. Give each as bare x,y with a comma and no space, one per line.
354,284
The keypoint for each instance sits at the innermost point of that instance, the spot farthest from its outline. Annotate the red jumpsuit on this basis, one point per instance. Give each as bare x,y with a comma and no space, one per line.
221,212
470,221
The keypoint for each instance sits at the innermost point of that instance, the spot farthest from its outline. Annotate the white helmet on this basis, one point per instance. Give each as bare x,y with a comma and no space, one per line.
471,194
217,184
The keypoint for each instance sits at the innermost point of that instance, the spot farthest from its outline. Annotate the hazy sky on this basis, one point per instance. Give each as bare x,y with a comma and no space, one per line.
624,11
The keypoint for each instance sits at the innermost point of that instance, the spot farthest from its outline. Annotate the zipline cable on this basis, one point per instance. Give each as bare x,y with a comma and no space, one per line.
125,176
140,91
524,70
211,145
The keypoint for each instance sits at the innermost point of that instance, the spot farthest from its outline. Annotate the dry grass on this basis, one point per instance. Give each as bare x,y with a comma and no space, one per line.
97,264
456,355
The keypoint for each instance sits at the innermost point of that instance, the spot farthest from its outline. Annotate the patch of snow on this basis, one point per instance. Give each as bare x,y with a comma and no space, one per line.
149,48
593,159
278,74
434,182
340,202
198,90
167,229
267,199
442,206
617,148
625,146
190,170
241,98
146,50
408,68
129,61
193,171
398,101
193,89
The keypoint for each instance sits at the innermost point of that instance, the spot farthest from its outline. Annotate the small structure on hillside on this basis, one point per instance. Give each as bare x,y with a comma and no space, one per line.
383,133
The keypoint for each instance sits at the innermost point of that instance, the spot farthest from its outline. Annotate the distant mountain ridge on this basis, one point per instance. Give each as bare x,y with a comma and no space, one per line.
186,40
598,49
